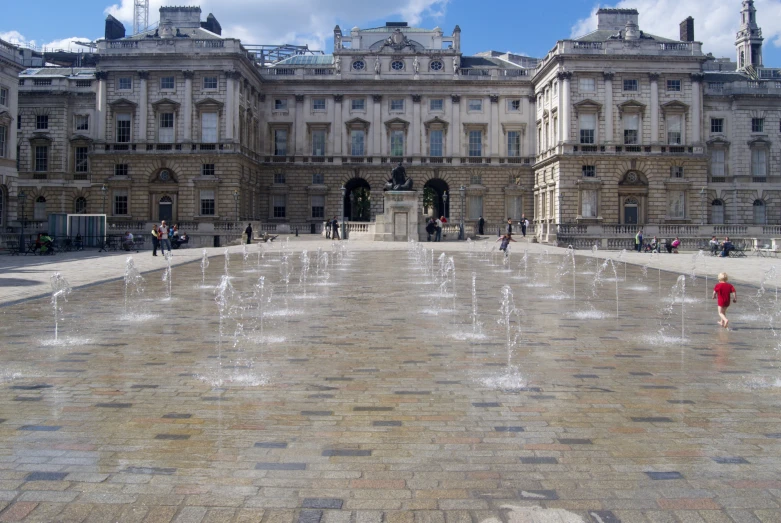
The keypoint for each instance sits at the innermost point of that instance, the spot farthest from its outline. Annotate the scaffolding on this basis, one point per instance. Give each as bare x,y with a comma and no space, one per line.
268,55
140,15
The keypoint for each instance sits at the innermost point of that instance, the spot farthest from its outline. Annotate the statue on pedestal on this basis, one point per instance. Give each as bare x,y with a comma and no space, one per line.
399,180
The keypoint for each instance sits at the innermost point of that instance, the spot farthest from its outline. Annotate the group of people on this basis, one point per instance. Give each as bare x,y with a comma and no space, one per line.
332,229
655,245
725,247
164,236
434,226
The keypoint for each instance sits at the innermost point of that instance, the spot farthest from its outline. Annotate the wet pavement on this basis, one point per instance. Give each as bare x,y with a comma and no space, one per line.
371,395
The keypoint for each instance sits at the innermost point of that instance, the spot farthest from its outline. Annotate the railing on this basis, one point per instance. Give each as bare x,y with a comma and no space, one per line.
278,71
718,179
80,177
674,47
40,176
729,229
209,43
475,72
124,225
357,227
767,73
679,230
620,243
267,227
771,229
572,229
758,179
619,229
587,45
229,226
123,45
319,71
514,72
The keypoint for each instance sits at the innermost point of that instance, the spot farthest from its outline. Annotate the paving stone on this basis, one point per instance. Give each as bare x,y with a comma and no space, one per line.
325,503
544,460
45,476
40,428
664,475
346,452
730,460
280,466
271,445
310,516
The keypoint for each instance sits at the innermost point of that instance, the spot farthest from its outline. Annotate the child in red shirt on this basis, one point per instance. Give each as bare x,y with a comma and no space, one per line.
723,291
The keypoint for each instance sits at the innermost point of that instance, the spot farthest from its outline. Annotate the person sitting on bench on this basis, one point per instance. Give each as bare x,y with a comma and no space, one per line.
179,240
127,241
726,246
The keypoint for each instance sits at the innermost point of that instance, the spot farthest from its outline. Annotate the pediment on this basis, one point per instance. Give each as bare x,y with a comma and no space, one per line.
397,122
675,105
357,122
631,105
436,121
123,102
5,117
165,102
718,141
759,140
80,138
587,105
208,102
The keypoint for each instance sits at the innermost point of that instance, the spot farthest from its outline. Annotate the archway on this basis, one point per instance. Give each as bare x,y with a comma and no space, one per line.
633,202
165,209
357,200
435,203
717,212
631,206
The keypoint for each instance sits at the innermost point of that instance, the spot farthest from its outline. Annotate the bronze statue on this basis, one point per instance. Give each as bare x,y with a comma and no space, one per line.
399,180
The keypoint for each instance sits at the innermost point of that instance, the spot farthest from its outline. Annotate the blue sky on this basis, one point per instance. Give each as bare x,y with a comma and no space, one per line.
530,27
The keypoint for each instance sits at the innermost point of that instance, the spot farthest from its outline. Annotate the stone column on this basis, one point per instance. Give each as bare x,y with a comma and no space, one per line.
236,106
330,141
100,102
531,126
416,125
376,129
230,116
455,126
654,108
187,106
566,108
13,101
609,133
338,124
696,107
143,106
299,130
494,130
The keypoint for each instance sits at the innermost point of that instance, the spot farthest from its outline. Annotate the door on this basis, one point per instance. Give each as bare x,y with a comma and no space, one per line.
165,209
630,215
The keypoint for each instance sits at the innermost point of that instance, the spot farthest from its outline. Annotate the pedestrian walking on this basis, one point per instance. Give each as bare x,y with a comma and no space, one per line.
480,225
524,224
335,229
155,239
724,291
509,228
248,232
163,230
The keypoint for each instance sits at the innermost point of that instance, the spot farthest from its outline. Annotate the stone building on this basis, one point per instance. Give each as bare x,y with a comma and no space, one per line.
11,64
608,132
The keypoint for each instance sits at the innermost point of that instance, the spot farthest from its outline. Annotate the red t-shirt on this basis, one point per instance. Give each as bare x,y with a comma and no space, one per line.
723,291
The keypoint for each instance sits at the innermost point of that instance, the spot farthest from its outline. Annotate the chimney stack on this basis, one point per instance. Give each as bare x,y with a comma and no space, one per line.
687,30
114,28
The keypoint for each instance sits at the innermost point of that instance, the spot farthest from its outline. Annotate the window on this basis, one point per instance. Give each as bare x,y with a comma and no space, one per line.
514,106
476,179
759,212
207,169
280,104
674,128
318,142
318,179
209,127
630,85
166,132
475,143
717,162
207,202
757,125
587,85
18,122
83,83
397,65
357,142
631,128
279,204
435,142
717,125
515,207
318,206
588,124
123,128
397,143
475,206
588,204
436,104
3,96
677,204
42,158
280,142
358,104
759,162
397,104
125,83
318,104
475,104
589,171
120,202
717,212
676,171
121,169
674,85
279,177
80,205
39,209
210,82
82,122
436,65
167,83
82,164
3,142
42,121
359,65
513,143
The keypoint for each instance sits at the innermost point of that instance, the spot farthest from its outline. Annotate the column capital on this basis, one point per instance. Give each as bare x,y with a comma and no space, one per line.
188,74
299,98
338,98
608,75
697,77
144,75
232,75
101,75
455,98
564,75
494,98
416,98
653,76
376,98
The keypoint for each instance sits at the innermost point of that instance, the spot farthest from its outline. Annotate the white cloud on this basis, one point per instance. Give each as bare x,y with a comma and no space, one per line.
292,21
715,23
67,44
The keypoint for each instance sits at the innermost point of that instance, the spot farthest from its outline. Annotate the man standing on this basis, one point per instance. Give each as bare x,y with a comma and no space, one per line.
639,241
480,226
163,232
438,237
335,229
328,229
524,224
248,232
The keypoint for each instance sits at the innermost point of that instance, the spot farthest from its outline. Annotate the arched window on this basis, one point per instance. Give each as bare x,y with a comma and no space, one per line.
717,212
80,205
39,210
759,212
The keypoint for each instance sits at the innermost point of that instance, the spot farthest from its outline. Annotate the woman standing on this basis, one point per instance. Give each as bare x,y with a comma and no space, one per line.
155,239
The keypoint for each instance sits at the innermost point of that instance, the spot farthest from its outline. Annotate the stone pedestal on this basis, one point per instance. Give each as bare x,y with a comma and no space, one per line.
399,223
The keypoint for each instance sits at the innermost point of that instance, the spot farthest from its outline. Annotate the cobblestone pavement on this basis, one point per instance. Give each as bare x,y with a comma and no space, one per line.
372,396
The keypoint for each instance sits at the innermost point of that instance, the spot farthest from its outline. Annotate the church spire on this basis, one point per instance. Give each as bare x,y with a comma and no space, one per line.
748,41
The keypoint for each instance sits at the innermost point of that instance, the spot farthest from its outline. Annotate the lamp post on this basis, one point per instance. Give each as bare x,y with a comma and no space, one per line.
462,192
444,204
21,197
561,197
236,200
104,190
344,218
702,204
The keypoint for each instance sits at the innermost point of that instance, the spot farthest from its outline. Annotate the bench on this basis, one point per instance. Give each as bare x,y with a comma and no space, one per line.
738,252
766,251
13,247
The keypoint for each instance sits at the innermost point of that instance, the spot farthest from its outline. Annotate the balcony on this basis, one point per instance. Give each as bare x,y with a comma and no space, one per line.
164,148
750,88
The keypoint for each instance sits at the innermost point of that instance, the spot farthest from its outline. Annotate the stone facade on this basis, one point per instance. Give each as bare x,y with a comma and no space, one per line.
10,66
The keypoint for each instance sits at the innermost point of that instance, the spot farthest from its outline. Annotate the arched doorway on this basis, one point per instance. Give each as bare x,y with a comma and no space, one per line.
717,212
165,209
357,200
436,198
80,205
631,206
633,198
